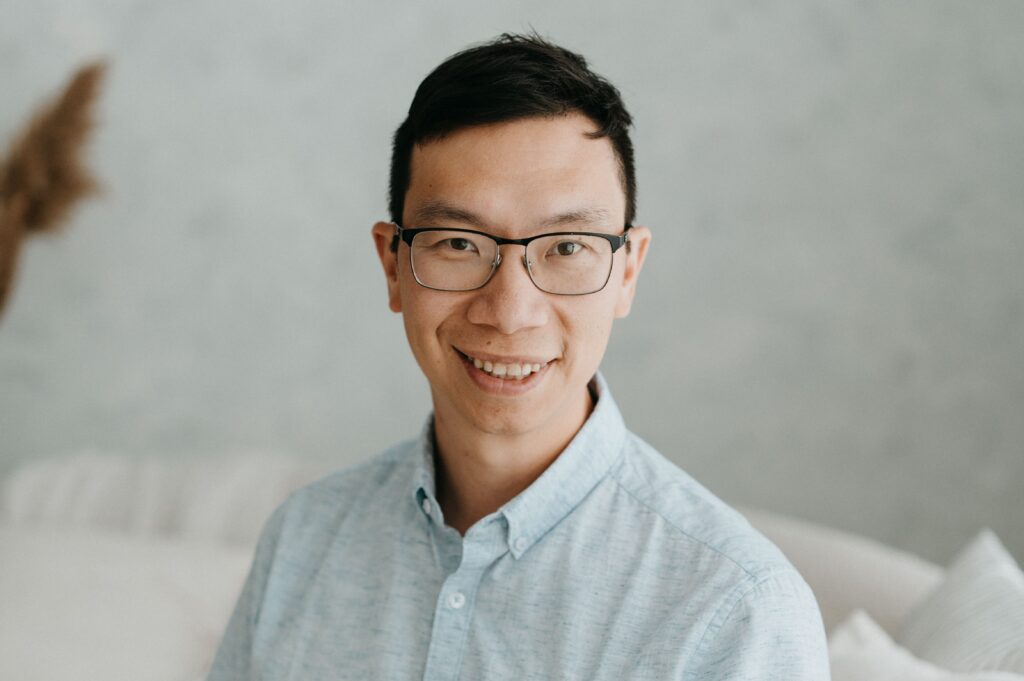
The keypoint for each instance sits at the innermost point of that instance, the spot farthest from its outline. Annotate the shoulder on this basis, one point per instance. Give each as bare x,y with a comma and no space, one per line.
343,508
319,505
693,517
758,610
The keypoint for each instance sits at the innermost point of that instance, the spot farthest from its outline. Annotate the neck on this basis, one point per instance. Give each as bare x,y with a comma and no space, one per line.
478,472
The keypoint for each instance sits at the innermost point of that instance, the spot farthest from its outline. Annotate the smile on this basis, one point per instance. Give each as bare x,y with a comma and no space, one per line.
511,371
505,370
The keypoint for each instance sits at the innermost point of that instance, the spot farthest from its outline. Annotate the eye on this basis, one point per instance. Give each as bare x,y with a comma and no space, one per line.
460,244
567,248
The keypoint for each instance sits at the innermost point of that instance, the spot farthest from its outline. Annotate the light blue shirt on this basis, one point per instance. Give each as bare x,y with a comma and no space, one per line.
614,564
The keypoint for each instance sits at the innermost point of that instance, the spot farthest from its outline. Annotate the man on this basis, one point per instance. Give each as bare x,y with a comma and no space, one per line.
526,534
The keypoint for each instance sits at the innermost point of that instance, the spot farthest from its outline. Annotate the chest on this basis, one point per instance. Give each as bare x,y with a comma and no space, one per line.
573,606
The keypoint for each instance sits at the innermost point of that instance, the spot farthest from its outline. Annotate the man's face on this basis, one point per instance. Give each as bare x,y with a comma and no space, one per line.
514,180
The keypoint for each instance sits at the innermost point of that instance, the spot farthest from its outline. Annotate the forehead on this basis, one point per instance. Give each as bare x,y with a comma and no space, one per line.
518,174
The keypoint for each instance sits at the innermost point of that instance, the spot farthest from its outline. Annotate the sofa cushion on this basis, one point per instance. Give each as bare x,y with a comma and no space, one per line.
849,572
90,604
224,498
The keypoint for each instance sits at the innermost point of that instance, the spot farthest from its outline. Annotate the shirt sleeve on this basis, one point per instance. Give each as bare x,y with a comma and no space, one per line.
771,631
233,661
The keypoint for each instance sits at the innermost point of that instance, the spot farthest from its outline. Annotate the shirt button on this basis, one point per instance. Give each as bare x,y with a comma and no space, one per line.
520,544
426,506
456,600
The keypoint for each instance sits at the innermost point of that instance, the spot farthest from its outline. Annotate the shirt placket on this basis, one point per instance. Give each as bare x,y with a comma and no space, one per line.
453,610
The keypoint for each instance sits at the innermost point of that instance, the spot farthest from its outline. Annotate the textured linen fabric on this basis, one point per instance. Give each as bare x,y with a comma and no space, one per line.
614,564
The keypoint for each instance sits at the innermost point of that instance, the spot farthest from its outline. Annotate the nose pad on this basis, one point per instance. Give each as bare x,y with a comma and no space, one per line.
526,263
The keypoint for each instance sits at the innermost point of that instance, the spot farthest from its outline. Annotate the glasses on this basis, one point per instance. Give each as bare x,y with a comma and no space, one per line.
563,263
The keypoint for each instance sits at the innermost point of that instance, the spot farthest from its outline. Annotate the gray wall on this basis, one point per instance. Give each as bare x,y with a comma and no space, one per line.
832,319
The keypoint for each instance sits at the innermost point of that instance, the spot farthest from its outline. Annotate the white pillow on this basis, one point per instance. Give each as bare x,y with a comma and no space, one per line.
974,620
90,605
860,650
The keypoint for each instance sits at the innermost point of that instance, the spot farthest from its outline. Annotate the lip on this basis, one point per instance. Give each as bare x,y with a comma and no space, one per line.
502,387
506,359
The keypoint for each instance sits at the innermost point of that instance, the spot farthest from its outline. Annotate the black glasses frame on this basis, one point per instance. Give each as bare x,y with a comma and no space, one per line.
407,234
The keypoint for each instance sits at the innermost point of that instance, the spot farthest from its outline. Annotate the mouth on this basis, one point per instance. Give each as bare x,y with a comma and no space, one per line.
505,369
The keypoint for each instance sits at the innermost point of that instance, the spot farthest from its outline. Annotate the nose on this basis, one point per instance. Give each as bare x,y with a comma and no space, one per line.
510,302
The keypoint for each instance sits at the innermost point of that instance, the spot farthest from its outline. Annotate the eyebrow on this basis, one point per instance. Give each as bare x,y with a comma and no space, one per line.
587,216
438,210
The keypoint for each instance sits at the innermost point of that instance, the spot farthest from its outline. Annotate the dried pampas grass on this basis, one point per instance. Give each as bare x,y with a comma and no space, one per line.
43,176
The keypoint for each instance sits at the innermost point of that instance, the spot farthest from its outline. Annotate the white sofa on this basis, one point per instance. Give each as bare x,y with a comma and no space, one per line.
127,568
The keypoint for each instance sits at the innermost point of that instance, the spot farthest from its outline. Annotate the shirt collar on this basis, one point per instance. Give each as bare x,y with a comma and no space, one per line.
560,488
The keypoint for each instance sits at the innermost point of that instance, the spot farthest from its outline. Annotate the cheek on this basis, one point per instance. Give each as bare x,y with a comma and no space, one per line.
416,316
424,314
587,328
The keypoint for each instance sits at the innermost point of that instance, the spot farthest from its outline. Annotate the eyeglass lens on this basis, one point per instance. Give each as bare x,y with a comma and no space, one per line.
567,264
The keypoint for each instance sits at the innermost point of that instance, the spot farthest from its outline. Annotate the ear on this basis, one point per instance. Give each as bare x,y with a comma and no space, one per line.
639,241
383,235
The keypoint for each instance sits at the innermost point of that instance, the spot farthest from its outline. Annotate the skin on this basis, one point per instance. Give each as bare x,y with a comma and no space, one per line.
511,179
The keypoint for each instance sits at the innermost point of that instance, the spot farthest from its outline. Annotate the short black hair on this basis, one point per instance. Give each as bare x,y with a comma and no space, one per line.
512,77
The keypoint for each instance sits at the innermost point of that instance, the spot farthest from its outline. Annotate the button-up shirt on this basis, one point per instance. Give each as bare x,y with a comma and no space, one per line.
614,564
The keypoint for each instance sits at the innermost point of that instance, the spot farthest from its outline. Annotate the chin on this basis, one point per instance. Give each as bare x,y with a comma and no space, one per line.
507,419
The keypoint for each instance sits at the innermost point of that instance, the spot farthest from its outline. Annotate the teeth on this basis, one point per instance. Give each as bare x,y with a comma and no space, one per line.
507,371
